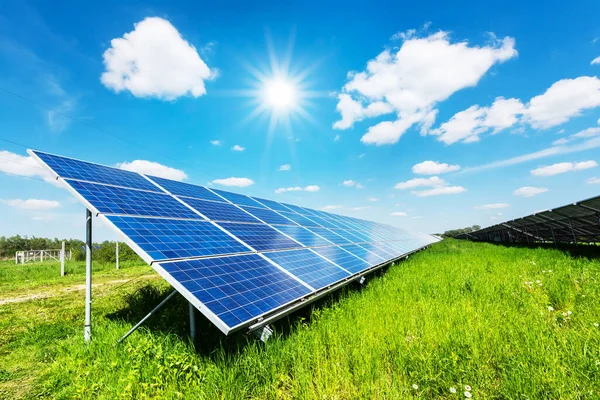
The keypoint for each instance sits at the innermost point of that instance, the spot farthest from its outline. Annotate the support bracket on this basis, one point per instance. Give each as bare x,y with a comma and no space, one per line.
263,333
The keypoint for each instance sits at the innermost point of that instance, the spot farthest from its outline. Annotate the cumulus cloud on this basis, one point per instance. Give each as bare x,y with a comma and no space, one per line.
331,207
233,181
32,204
285,167
216,142
416,182
411,81
595,61
153,168
351,183
440,190
309,188
529,191
154,60
433,168
593,181
237,147
16,164
560,168
492,206
399,214
373,199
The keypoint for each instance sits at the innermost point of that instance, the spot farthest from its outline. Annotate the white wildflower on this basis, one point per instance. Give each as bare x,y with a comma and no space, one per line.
452,390
467,388
468,395
415,386
549,270
543,271
596,324
569,312
537,281
564,314
550,308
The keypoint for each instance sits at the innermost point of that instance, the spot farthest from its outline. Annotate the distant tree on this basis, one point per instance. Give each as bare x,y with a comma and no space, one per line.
455,232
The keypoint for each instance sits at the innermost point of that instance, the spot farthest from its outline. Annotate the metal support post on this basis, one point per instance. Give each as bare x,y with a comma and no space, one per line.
62,259
117,253
192,322
573,232
87,328
147,316
553,237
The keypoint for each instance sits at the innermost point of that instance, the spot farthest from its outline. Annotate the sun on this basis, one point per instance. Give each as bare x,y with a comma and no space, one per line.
280,94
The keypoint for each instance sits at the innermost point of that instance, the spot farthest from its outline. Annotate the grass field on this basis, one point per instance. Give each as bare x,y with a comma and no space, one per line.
511,323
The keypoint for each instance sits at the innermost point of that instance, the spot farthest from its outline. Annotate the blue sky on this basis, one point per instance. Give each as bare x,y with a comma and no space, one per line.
429,118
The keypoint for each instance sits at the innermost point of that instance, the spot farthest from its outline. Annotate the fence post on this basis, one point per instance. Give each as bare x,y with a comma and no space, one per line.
62,259
117,253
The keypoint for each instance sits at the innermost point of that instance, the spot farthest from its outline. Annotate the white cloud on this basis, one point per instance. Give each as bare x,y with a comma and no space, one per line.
233,181
433,168
586,133
560,168
467,125
337,138
413,79
373,199
565,99
360,208
349,182
237,147
593,181
285,167
154,60
32,204
436,191
153,168
492,206
362,155
309,188
399,214
359,186
416,182
216,142
595,61
331,207
15,164
528,191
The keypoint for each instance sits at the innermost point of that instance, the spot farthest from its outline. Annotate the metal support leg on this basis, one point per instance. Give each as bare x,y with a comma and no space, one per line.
147,316
192,322
117,253
553,237
573,232
87,328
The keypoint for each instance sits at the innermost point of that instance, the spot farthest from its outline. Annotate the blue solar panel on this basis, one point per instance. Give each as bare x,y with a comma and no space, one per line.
236,289
220,211
308,266
343,258
164,239
296,209
268,216
75,169
372,258
259,236
321,221
299,219
303,236
116,200
337,223
186,189
346,234
329,235
273,205
239,199
377,250
357,234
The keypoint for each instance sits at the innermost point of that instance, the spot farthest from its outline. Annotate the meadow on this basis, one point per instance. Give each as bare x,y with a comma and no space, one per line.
504,322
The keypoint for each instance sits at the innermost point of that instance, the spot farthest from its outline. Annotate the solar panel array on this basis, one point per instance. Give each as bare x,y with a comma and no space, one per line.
578,222
236,258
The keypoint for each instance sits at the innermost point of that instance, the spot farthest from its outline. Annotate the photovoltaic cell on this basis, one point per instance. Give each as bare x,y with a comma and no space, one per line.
273,205
164,239
239,199
330,235
296,209
346,234
259,236
237,288
308,266
75,169
269,216
186,189
303,235
116,200
219,211
321,221
377,250
299,219
343,258
360,252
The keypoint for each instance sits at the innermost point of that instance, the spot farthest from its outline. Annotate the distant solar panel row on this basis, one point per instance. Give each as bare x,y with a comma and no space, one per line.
235,257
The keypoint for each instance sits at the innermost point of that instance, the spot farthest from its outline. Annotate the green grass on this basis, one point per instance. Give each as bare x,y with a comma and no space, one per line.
457,314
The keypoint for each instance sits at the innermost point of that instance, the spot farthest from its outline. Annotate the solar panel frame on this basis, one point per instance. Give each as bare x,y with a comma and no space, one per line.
218,212
268,216
271,204
183,189
260,237
237,198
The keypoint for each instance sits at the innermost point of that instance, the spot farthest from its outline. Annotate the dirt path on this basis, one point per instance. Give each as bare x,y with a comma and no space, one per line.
69,289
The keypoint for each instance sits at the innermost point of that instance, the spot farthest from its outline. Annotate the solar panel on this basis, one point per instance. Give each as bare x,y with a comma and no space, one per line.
309,266
260,237
186,189
219,211
268,216
117,200
343,258
303,236
164,239
239,199
252,259
75,169
236,288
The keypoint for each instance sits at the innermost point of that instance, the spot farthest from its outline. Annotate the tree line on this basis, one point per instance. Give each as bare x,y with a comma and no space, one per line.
454,232
103,251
